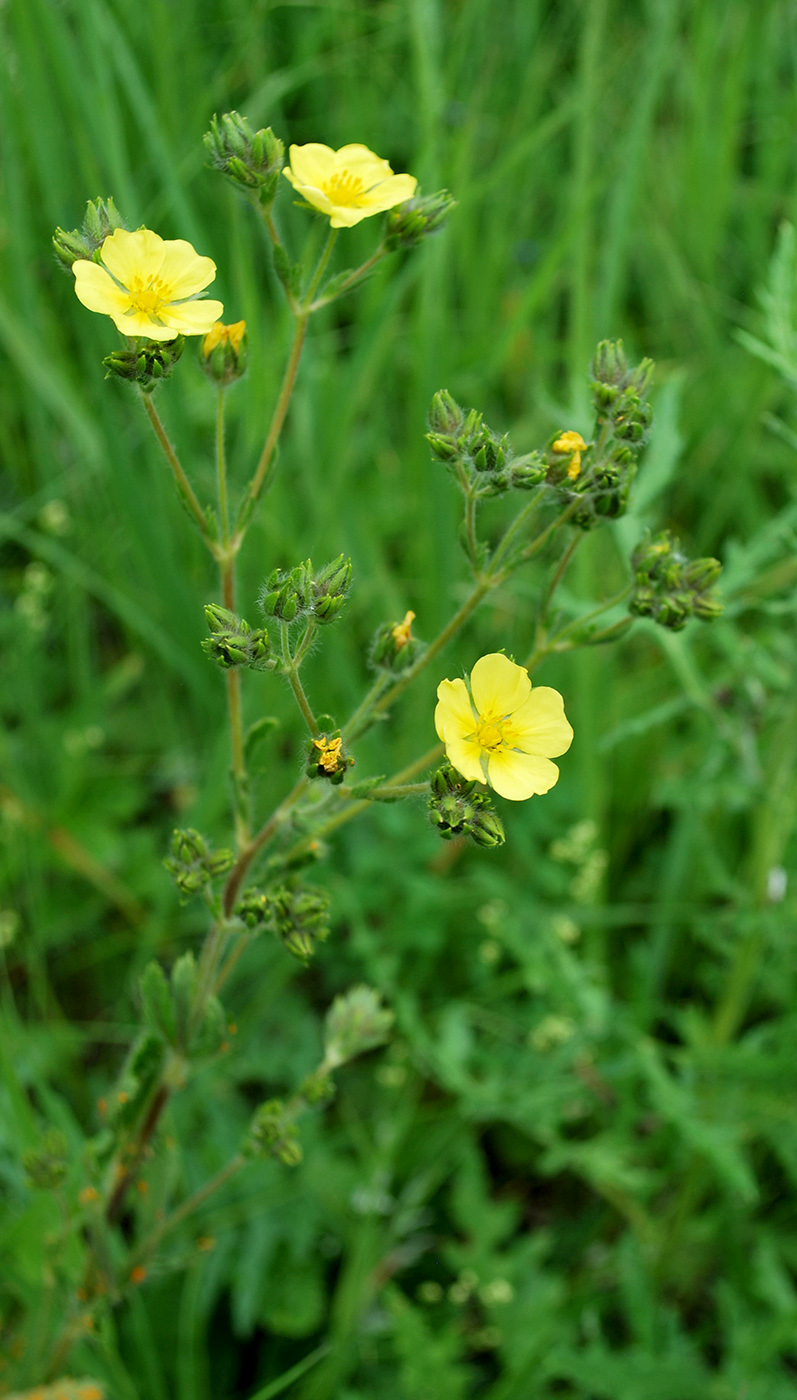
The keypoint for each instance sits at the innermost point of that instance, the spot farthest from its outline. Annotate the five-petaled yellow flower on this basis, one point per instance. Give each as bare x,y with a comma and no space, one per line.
149,285
349,184
501,731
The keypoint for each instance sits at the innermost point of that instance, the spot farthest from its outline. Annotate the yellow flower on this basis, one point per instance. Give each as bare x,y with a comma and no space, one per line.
500,731
349,184
224,335
573,443
148,285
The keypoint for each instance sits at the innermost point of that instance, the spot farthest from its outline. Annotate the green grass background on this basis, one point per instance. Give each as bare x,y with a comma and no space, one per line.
621,169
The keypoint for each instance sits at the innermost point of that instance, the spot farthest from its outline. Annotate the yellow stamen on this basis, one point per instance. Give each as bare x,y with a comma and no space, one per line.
343,188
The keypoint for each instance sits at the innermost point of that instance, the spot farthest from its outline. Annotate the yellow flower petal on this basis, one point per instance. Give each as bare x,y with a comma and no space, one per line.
97,290
520,775
310,165
141,323
133,255
498,685
191,317
453,717
395,190
363,162
183,271
346,216
466,757
540,725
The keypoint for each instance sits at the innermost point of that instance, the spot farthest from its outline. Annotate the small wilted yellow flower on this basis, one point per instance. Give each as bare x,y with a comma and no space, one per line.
328,753
498,730
402,631
573,443
149,285
349,184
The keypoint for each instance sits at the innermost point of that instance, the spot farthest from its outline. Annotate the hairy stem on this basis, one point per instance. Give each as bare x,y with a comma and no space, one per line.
184,487
294,680
351,281
275,428
232,675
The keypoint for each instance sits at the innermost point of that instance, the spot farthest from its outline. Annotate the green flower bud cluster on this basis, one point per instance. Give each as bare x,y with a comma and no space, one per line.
252,160
298,916
102,217
293,594
273,1133
327,758
462,440
394,649
356,1021
147,365
461,808
46,1165
192,863
670,588
232,642
411,222
623,418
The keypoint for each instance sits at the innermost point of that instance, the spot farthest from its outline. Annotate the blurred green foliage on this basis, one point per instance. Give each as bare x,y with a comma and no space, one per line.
570,1173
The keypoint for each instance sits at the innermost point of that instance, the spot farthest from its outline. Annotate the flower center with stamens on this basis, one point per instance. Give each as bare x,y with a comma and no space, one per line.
490,735
495,732
148,298
343,188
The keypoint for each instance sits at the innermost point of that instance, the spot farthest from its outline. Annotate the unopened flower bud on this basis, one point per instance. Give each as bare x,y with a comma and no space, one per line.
253,909
445,415
147,365
101,218
224,352
707,607
416,219
251,160
458,807
528,471
702,573
192,864
329,588
487,829
287,593
232,642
